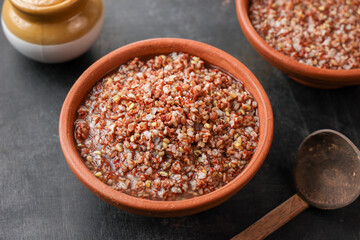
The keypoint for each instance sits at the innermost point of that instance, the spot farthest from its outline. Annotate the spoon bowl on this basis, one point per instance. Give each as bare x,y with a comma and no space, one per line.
327,170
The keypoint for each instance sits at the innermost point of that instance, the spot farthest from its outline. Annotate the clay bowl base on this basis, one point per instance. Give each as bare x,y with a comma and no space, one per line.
315,85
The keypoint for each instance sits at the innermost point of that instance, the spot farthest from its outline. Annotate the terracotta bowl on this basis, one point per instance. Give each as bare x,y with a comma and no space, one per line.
113,60
302,73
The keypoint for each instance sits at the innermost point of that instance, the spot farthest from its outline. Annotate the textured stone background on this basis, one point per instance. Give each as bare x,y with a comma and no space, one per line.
40,198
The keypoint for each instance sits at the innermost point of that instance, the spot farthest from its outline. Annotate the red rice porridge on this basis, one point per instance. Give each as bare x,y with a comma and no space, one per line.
168,128
319,33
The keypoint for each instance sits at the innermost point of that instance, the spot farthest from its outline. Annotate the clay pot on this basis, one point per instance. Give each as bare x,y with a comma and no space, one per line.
52,31
153,47
302,73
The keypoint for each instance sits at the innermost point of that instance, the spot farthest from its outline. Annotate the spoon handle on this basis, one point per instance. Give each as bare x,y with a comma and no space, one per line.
274,219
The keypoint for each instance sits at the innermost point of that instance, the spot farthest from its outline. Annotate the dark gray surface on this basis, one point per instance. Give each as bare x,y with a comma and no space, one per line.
40,198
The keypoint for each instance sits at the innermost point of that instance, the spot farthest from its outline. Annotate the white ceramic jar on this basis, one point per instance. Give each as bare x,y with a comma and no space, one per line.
52,31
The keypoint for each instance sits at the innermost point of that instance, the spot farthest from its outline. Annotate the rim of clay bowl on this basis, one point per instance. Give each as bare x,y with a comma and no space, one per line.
288,65
159,46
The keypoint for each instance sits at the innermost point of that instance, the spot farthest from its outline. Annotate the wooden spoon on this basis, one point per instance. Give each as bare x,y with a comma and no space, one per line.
327,176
